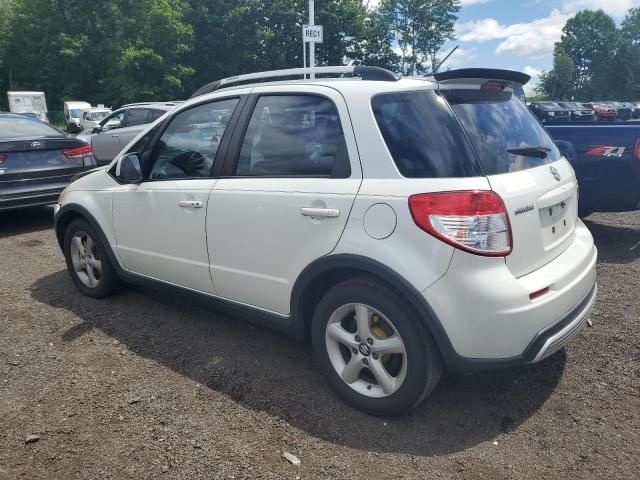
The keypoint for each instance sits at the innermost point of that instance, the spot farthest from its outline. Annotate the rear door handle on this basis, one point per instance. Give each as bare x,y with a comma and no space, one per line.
320,212
190,203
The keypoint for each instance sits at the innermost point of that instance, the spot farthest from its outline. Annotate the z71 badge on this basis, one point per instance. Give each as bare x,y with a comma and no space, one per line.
606,151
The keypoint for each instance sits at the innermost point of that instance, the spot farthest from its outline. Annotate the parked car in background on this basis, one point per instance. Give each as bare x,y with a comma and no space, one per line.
624,111
549,112
73,115
92,117
406,226
635,109
579,111
114,131
606,159
29,102
37,161
603,111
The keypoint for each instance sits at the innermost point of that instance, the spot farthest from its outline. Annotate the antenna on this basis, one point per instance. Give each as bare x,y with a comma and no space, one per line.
435,70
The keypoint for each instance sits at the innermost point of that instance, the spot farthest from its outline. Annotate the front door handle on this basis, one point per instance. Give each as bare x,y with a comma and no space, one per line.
320,212
190,203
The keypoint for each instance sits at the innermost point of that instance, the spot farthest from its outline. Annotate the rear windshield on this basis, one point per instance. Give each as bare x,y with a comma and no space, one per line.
422,135
496,122
426,141
12,127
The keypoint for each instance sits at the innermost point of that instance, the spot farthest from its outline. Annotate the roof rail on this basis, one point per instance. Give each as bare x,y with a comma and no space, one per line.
362,71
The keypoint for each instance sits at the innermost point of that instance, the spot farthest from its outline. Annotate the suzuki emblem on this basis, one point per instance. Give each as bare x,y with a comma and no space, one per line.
555,173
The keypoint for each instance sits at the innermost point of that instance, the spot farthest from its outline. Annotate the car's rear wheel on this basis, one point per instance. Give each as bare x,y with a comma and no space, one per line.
87,261
377,355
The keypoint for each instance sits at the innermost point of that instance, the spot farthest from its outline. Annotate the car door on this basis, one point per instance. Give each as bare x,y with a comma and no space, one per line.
288,187
106,143
136,120
160,223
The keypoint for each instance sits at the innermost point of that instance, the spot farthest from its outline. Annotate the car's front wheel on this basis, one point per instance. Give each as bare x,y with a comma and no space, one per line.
87,261
376,354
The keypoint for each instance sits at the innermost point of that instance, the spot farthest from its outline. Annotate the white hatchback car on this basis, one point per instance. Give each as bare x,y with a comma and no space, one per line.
403,225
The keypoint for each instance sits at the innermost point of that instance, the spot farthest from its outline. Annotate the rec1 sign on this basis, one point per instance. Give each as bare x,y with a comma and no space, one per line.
312,33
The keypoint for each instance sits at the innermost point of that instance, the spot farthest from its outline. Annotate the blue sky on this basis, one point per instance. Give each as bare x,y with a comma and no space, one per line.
518,34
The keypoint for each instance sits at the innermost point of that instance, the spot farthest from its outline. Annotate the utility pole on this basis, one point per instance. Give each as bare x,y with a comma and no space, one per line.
312,46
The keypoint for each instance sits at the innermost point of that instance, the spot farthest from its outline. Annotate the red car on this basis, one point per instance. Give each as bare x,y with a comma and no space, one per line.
603,111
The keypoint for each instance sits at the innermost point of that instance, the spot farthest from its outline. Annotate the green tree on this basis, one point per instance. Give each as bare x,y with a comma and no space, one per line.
110,52
589,39
420,28
558,84
625,71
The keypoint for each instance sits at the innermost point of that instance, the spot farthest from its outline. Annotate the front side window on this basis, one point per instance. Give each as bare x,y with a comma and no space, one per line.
112,122
294,135
188,147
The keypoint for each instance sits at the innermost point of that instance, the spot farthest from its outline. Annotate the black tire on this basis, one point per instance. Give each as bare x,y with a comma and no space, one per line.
424,365
109,282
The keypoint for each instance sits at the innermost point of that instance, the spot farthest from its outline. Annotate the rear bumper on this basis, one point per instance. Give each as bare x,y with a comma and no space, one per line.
489,319
30,199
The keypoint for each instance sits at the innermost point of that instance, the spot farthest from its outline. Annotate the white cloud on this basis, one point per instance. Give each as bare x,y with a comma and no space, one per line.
617,8
532,40
533,71
461,58
530,87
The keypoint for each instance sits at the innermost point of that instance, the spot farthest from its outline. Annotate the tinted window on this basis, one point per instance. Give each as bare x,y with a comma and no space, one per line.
137,116
141,144
155,114
294,135
189,145
423,136
12,127
497,122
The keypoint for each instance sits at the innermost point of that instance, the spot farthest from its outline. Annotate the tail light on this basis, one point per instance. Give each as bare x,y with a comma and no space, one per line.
473,221
3,158
79,153
636,150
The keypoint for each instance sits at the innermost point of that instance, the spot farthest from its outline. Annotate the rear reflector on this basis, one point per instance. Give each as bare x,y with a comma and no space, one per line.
79,153
539,293
473,221
3,158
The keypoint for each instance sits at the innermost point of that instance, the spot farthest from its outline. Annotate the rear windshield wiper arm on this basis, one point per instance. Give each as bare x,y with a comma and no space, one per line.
539,151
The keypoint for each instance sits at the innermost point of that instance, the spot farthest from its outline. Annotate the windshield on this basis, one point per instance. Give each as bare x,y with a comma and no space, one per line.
549,105
75,113
97,116
497,122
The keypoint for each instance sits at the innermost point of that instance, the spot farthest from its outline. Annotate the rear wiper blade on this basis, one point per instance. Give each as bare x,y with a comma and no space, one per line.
539,151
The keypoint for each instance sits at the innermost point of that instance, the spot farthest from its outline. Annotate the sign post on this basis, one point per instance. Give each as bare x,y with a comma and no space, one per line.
311,34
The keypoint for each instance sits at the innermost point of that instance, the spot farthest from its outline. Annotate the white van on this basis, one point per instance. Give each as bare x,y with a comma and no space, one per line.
28,102
73,114
92,117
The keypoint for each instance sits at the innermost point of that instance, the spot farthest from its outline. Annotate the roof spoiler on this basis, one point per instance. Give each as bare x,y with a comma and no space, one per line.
485,74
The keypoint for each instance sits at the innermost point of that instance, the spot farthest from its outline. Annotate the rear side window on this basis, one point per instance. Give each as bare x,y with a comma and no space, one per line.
137,116
12,127
497,122
423,136
294,135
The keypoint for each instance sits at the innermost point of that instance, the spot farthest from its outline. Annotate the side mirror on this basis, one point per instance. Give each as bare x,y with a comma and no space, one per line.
129,168
96,130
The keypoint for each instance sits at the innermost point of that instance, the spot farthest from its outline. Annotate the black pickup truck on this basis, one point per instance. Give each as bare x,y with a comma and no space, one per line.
606,159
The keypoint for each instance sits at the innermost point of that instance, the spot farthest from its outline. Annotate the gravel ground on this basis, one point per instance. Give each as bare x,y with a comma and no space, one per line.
144,385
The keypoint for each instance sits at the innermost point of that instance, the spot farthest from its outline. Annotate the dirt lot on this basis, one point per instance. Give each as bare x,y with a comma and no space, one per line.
145,386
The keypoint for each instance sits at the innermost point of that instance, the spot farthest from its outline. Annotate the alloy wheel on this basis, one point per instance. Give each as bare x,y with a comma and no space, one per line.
366,350
86,259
